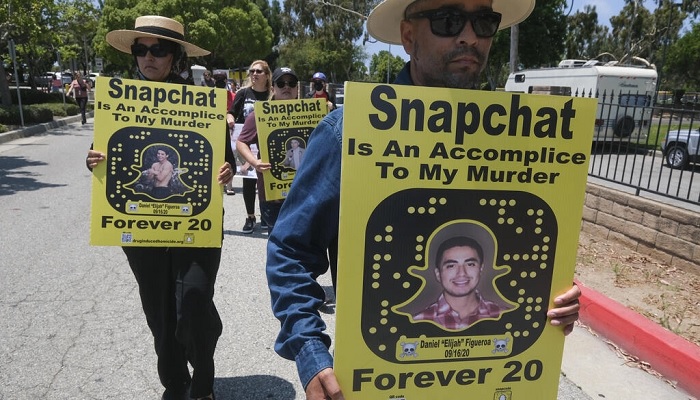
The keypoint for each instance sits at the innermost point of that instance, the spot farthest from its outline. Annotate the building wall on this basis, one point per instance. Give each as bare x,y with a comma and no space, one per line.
668,233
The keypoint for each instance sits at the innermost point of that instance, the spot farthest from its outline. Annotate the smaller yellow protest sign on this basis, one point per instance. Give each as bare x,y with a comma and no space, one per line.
284,127
164,144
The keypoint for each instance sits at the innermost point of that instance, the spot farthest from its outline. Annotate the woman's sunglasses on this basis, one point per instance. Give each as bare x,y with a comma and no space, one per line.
157,50
450,22
291,84
256,71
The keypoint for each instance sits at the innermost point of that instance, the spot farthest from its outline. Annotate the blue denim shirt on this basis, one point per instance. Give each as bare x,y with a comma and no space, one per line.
305,234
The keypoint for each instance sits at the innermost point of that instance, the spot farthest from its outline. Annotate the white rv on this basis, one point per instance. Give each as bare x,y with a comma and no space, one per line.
624,93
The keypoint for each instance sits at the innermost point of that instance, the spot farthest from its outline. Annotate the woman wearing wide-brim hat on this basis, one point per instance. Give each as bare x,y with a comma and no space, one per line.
176,284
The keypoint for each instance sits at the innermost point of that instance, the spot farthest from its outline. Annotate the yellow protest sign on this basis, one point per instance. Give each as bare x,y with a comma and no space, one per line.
284,127
449,263
164,145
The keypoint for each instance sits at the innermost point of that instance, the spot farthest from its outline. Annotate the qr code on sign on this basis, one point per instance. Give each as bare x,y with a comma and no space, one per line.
127,238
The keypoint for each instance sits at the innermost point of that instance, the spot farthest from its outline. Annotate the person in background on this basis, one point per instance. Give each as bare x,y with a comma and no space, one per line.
294,155
319,83
208,80
285,88
221,82
56,84
176,284
80,88
448,42
258,87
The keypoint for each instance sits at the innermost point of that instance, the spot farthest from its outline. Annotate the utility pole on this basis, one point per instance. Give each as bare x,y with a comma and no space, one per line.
13,57
85,49
388,66
514,32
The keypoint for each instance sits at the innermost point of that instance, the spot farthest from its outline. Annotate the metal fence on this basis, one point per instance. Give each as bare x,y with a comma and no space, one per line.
633,151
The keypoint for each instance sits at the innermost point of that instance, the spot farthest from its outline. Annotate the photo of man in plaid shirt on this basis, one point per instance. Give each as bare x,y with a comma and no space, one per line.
459,263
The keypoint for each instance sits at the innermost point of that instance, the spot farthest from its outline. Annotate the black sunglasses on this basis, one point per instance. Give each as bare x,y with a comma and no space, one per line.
256,71
450,22
157,50
291,84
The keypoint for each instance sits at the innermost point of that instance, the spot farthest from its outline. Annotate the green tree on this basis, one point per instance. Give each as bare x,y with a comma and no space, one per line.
384,67
29,25
320,36
669,20
76,29
272,11
235,31
683,60
585,38
540,42
633,32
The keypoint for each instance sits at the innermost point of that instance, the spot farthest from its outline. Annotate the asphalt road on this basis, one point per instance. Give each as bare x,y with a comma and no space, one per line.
71,326
648,171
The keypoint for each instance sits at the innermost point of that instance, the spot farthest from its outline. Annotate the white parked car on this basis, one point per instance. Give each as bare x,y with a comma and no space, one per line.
681,147
92,76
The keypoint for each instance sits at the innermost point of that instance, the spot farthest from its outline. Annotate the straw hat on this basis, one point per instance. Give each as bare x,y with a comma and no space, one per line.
384,21
157,27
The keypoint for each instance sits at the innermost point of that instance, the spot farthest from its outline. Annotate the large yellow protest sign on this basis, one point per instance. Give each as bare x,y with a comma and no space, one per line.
284,127
164,145
449,263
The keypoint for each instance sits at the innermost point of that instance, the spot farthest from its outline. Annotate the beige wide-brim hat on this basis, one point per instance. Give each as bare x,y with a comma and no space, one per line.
156,27
385,19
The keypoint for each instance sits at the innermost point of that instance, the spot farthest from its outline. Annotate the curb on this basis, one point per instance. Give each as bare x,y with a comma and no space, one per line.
40,128
667,353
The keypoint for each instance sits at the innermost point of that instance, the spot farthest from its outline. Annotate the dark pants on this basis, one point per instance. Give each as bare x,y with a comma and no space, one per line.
269,211
177,289
249,186
82,103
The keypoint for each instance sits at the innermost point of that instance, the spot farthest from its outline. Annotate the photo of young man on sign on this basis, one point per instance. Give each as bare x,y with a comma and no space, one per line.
460,290
161,173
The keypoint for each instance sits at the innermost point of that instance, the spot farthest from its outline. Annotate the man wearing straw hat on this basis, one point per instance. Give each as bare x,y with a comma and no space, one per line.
176,284
448,42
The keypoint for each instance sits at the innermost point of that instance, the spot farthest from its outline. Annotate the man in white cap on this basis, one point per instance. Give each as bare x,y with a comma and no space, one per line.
448,42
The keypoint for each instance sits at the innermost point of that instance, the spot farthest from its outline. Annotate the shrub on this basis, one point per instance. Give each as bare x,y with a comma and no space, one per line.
33,114
38,97
59,110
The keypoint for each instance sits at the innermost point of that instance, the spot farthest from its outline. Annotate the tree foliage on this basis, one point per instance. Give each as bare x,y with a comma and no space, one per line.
540,41
585,38
384,67
29,25
235,31
43,32
320,36
272,11
683,61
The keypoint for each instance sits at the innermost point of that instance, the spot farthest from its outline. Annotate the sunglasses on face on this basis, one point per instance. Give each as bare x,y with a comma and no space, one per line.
450,22
256,71
291,84
157,50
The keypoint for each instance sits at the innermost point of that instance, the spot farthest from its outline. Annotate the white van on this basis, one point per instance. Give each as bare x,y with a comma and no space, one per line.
624,93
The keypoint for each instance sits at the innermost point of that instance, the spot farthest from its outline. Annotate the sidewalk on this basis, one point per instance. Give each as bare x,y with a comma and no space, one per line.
592,368
40,128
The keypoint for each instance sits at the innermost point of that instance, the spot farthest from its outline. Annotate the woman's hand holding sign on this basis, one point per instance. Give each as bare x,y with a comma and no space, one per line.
225,174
